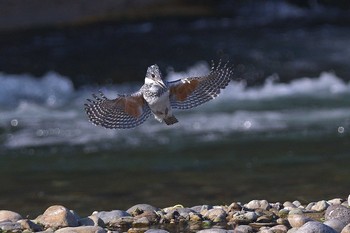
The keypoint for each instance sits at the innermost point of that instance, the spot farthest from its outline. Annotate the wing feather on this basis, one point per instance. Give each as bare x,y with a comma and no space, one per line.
190,92
125,111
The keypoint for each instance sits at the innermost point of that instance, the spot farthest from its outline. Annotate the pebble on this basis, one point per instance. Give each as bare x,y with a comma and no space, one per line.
254,216
296,218
320,206
140,208
82,229
315,227
9,216
336,224
110,216
92,220
346,229
10,227
216,215
156,231
339,212
243,229
57,216
257,204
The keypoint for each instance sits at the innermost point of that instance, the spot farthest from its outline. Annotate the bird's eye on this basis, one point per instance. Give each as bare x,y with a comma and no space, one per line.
153,76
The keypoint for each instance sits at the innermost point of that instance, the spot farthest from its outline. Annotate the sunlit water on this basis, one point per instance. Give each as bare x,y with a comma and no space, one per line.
277,141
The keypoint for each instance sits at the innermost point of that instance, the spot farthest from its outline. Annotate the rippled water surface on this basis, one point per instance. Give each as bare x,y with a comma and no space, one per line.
277,141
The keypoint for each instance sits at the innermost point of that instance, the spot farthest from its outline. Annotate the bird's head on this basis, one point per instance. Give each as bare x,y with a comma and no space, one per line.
154,75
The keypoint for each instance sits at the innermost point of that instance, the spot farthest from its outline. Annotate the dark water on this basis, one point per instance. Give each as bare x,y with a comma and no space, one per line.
280,140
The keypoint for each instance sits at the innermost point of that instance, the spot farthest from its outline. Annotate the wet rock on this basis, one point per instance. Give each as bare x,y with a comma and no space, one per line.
10,227
81,229
216,215
320,206
26,224
92,220
140,208
315,227
156,231
9,216
57,216
110,216
296,218
257,204
346,229
336,224
243,229
339,212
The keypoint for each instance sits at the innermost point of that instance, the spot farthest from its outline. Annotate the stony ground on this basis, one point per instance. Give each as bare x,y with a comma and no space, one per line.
256,216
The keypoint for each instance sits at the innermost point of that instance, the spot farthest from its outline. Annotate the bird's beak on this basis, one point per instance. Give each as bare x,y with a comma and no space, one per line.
161,83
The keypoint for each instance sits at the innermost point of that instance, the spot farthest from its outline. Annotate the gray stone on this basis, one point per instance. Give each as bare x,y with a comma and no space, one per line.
57,216
258,204
346,229
320,206
216,215
315,227
92,220
9,216
296,203
336,224
10,227
140,208
243,229
110,216
156,231
279,229
289,205
213,230
200,208
336,201
339,212
81,229
349,200
297,219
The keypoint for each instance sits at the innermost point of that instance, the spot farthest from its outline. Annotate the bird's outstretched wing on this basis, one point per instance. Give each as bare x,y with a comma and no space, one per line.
125,111
190,92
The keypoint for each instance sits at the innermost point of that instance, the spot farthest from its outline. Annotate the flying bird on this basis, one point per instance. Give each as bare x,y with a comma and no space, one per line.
157,97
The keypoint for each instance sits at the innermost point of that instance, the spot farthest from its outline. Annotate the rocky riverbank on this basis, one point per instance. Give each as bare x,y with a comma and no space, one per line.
255,216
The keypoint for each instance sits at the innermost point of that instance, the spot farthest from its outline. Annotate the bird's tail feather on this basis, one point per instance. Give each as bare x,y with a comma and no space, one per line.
170,120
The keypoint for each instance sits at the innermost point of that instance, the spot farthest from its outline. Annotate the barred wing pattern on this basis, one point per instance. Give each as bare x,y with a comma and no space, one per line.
190,92
126,111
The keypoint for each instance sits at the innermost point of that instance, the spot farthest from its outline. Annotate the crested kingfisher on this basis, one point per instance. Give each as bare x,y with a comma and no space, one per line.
157,97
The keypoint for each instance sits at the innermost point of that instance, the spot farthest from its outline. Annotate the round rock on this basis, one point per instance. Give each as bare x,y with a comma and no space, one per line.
320,206
9,216
297,219
140,208
315,227
346,229
57,216
213,230
82,229
336,224
243,229
156,231
339,212
216,215
258,204
110,216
